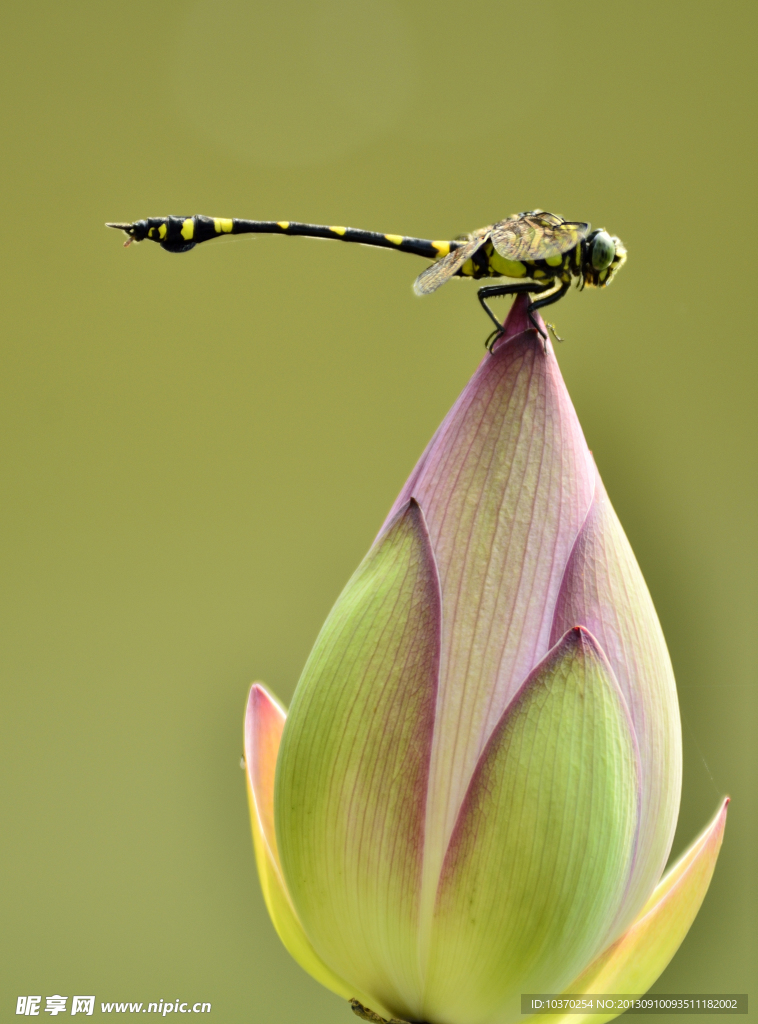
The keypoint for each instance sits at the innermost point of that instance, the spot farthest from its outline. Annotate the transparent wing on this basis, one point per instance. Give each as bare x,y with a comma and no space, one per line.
537,235
441,271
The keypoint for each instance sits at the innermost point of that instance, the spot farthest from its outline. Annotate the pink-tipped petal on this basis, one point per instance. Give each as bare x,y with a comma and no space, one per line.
636,960
353,768
542,848
505,485
604,590
264,722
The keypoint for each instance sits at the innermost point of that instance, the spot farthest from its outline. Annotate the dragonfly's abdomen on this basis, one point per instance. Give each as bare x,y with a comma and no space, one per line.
178,234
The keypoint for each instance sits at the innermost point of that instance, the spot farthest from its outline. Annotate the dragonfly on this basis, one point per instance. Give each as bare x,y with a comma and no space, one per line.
536,252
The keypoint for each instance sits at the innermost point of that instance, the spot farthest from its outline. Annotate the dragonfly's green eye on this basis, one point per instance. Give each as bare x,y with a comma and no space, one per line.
603,251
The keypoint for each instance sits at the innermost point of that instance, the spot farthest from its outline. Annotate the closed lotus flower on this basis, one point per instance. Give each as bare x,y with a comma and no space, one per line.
475,790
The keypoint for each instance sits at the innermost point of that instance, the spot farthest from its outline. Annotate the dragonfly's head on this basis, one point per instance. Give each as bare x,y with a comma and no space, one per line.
602,257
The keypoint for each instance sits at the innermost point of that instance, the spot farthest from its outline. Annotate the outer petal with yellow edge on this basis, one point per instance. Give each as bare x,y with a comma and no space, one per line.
639,957
264,723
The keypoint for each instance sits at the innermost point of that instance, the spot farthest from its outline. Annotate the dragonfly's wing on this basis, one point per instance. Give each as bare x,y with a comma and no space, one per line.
441,271
537,235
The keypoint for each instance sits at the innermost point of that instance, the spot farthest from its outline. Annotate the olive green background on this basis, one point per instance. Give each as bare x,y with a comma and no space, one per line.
198,450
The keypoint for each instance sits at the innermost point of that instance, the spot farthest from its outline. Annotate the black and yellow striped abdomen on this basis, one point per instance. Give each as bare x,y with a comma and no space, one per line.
178,234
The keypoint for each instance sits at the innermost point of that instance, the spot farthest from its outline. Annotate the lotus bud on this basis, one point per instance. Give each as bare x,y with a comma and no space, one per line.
475,790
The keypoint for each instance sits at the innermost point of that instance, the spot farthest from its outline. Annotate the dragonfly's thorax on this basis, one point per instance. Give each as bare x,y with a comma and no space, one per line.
487,262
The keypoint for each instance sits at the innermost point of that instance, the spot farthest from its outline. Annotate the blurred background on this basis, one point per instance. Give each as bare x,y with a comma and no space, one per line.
197,451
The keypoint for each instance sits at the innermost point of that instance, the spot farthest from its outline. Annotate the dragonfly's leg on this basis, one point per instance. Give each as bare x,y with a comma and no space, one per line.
548,300
494,291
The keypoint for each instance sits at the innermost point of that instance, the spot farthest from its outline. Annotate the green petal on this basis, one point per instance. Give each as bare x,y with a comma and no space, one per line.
353,768
264,723
638,958
603,589
541,852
